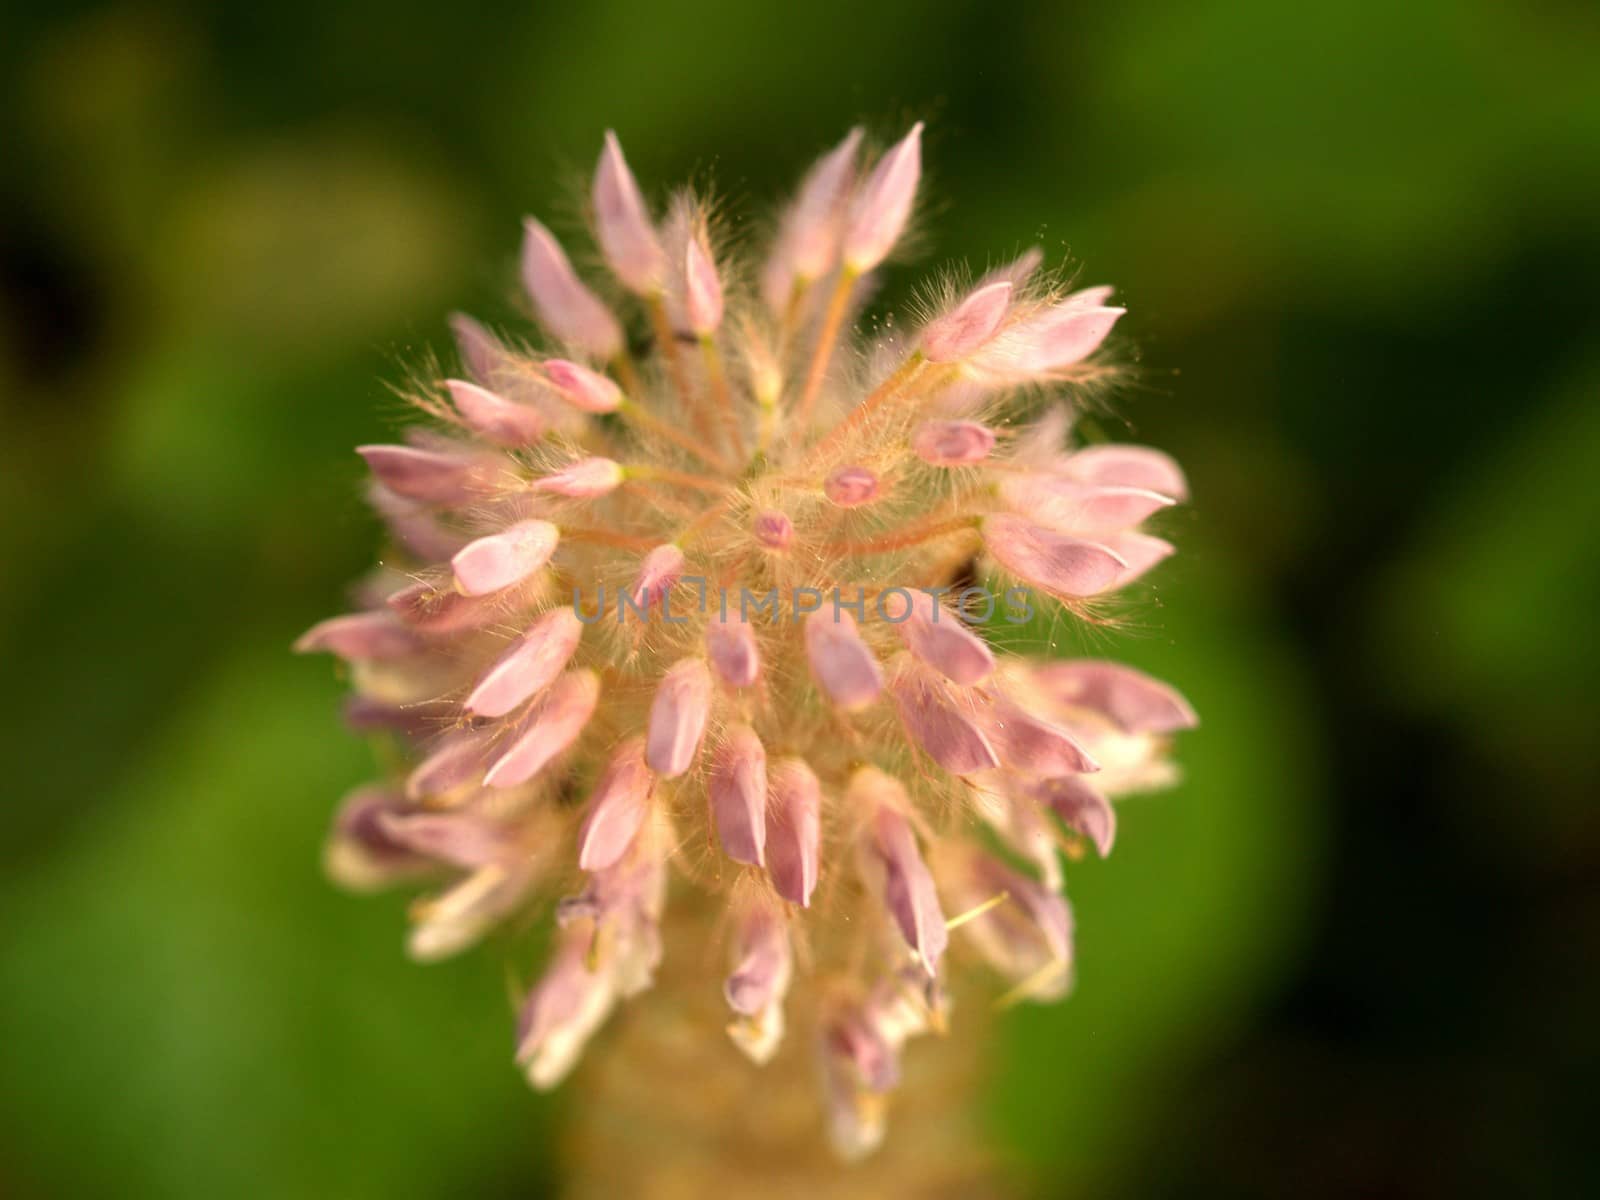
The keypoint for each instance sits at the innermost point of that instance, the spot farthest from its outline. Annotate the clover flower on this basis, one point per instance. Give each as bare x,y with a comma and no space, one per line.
677,611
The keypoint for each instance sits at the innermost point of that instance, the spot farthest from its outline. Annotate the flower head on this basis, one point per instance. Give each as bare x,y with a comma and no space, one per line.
713,600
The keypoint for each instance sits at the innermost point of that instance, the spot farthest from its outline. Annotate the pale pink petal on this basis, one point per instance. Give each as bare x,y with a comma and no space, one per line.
562,1012
851,487
880,212
966,327
952,443
581,387
808,241
552,727
794,829
1066,336
505,558
763,956
441,610
457,760
738,791
622,224
1033,746
1140,552
1136,702
493,417
1082,808
731,648
360,637
841,663
951,737
432,476
1129,466
457,838
582,480
359,854
481,352
529,667
661,568
702,289
568,309
936,636
908,891
1070,505
678,717
1063,566
617,808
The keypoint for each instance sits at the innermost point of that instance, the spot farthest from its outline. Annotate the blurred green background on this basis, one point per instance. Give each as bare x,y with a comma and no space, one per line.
1357,953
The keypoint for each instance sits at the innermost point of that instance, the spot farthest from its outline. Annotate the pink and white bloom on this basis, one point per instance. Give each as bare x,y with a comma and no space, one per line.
565,306
622,223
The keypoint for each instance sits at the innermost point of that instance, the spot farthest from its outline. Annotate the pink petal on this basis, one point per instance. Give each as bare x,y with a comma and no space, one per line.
427,475
481,352
359,854
1136,702
415,527
1063,566
731,648
794,830
908,891
616,808
493,417
582,480
936,636
552,727
457,760
965,328
951,737
879,215
702,289
851,487
678,717
1129,466
841,663
1035,747
1067,336
528,667
360,637
562,1012
505,558
764,963
660,569
457,838
440,611
569,310
622,224
738,791
1082,808
808,242
1140,552
581,387
952,443
1071,506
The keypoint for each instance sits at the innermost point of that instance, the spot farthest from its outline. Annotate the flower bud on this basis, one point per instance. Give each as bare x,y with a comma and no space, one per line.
582,480
966,327
678,718
505,558
881,210
552,727
432,476
360,637
794,829
942,725
622,224
617,808
738,793
494,418
581,387
731,648
841,663
528,667
569,310
851,487
808,241
773,530
952,443
702,289
1063,566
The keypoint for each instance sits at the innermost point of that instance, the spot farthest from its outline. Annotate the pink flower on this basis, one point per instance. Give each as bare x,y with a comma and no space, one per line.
952,443
502,559
968,326
851,487
794,829
617,808
738,793
494,418
678,718
581,387
582,480
841,663
529,667
881,210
